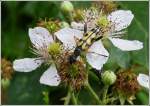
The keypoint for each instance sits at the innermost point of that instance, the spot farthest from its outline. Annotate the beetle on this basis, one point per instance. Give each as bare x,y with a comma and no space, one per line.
87,40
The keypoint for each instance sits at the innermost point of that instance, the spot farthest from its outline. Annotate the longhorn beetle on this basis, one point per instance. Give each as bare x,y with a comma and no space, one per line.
87,40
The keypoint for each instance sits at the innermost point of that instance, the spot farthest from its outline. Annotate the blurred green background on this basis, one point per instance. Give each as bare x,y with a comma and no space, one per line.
25,88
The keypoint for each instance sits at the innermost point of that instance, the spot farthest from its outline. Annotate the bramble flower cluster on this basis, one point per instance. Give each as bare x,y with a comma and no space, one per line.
53,42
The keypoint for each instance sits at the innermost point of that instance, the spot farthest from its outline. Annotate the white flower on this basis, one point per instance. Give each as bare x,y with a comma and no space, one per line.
119,20
66,36
41,39
143,80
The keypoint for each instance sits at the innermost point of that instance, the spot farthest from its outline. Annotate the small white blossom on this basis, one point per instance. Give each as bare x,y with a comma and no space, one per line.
119,20
143,80
67,35
41,39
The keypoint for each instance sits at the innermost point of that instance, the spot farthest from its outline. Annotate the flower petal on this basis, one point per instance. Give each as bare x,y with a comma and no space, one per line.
143,80
40,36
50,76
121,19
97,55
67,36
126,45
26,64
78,26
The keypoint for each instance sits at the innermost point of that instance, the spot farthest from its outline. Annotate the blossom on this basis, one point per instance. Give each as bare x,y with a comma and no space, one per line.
112,25
143,80
66,36
119,20
41,40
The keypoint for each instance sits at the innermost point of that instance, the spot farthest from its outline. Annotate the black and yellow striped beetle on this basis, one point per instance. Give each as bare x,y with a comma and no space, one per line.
83,44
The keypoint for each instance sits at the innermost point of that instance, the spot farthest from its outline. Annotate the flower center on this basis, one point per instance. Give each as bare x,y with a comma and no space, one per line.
52,26
103,21
54,48
73,71
72,74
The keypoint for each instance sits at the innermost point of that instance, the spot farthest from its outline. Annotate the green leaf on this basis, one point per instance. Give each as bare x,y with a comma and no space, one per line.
138,30
143,97
117,58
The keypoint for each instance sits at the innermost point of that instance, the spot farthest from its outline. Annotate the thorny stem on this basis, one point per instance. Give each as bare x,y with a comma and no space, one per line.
93,93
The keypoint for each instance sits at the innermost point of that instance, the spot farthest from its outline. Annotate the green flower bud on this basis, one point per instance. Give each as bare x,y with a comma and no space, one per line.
5,83
108,77
67,7
64,24
52,25
54,48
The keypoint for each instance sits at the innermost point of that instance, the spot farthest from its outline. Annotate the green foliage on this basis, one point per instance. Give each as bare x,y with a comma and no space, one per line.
25,88
139,30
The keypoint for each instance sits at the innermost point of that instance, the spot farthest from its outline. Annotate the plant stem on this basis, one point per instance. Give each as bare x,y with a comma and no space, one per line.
112,99
74,100
68,97
105,92
93,93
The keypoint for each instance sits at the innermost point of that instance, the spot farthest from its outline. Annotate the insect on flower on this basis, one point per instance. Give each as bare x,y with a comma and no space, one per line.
83,44
96,49
90,33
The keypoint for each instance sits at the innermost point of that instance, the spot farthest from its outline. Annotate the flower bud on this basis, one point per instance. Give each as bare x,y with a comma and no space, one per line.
52,25
64,24
108,77
5,83
66,6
